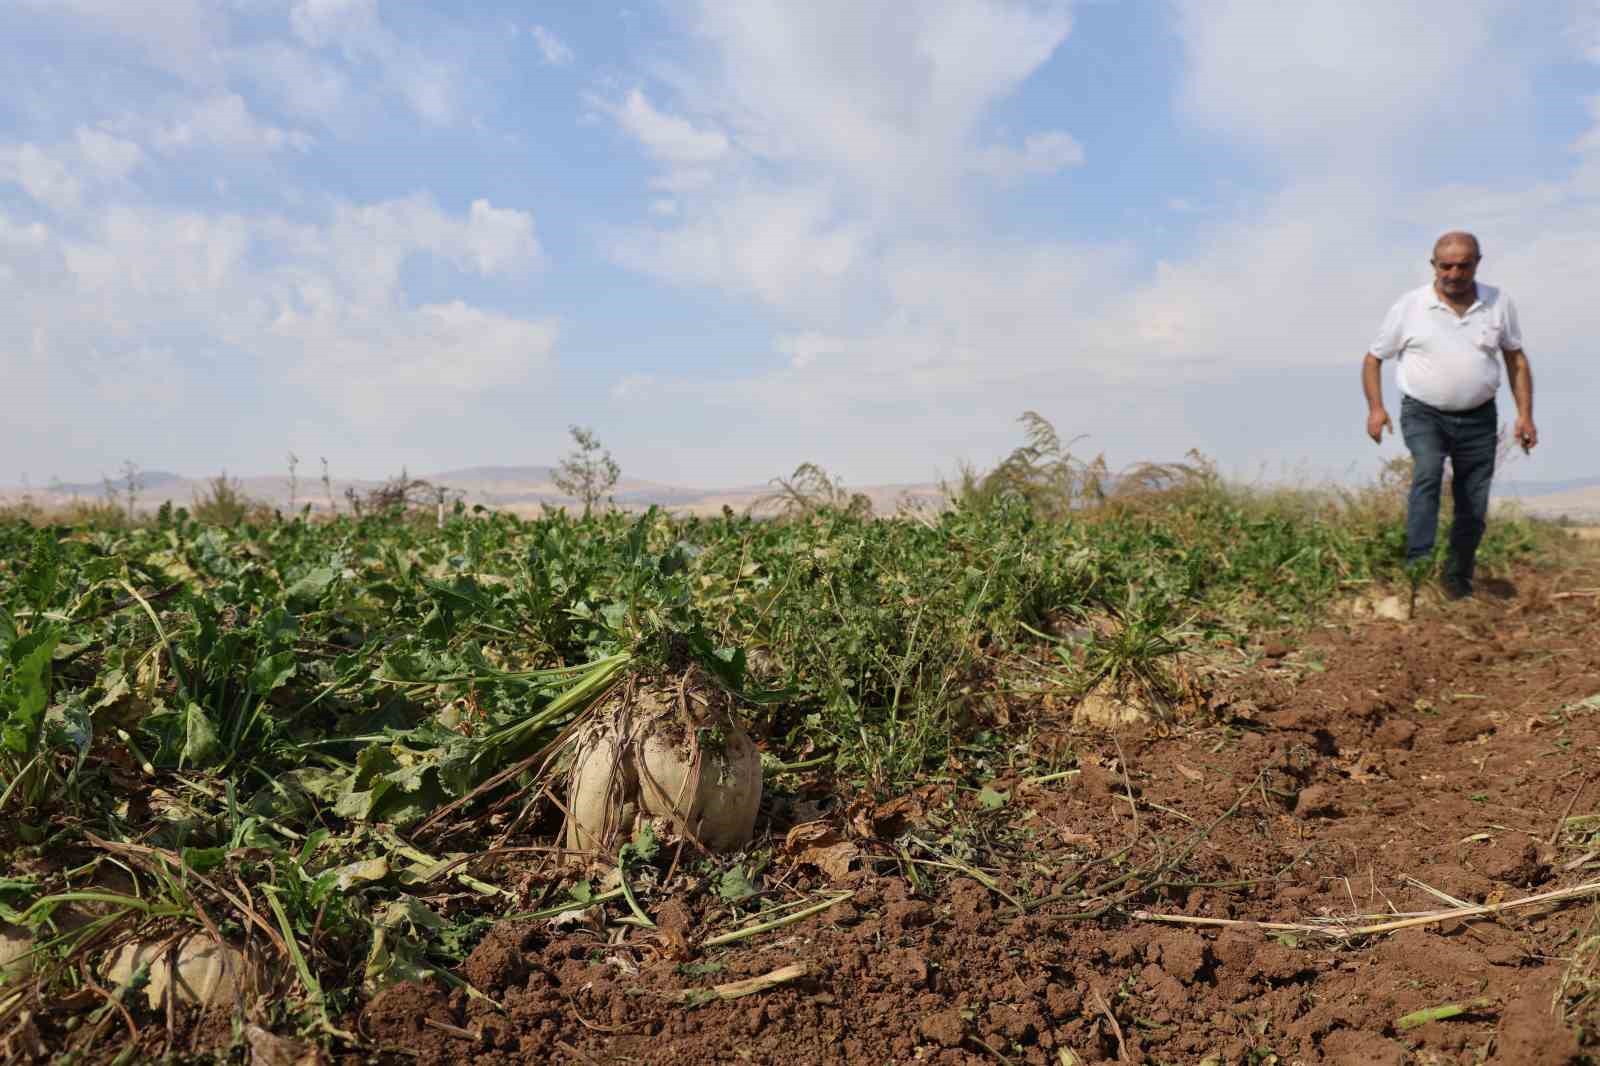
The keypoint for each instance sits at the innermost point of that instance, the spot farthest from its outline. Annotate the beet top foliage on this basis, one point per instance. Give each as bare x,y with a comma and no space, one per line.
284,708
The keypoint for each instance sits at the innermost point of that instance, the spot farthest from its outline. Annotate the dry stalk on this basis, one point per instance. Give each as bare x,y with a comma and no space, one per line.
1561,823
783,975
777,923
1098,1002
1152,874
176,863
1340,927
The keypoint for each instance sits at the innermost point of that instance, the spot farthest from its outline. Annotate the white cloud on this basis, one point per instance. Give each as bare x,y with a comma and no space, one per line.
1348,81
381,362
298,80
669,138
110,156
430,85
1041,153
664,206
1586,29
684,180
887,97
553,48
369,243
319,304
182,38
321,23
41,175
789,249
22,236
225,122
816,135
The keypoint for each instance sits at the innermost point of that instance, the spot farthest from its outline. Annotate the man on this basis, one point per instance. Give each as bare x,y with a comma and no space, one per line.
1449,338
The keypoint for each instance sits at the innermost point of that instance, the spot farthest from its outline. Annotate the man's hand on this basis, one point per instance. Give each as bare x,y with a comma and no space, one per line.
1526,434
1378,421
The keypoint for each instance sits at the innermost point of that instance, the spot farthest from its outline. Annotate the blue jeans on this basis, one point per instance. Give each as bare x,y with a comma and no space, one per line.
1469,440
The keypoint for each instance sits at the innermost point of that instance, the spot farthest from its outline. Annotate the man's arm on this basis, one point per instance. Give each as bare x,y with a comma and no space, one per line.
1521,376
1372,385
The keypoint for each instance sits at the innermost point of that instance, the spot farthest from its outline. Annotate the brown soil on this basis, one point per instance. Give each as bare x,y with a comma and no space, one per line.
1354,759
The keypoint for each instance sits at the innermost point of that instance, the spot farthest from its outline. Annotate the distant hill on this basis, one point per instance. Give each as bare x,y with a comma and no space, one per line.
524,490
497,473
1515,487
152,480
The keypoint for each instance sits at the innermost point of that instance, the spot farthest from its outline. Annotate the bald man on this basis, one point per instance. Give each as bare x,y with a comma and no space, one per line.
1449,338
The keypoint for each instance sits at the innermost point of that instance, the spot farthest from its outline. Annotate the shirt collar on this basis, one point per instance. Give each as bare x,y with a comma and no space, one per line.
1435,300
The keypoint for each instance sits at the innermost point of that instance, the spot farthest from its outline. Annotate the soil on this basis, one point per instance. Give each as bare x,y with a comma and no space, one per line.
1360,762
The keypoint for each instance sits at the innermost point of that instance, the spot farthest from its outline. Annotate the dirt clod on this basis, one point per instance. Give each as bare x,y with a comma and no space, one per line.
947,1028
1466,729
1513,859
1316,801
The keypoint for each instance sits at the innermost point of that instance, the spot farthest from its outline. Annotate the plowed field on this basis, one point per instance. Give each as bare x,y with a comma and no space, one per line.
1349,776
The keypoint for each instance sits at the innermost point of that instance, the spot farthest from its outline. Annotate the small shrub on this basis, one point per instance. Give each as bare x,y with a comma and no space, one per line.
223,502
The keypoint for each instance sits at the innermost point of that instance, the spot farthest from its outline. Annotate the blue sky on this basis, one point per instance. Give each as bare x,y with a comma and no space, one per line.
735,237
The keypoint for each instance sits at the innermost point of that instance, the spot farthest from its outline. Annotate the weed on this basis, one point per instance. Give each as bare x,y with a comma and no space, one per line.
223,502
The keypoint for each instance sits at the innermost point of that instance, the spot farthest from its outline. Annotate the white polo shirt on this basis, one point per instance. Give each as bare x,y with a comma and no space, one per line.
1449,361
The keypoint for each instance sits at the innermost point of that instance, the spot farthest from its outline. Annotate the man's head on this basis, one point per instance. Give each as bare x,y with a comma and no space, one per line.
1455,265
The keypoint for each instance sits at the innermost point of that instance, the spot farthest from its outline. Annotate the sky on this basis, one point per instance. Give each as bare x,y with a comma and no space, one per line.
735,237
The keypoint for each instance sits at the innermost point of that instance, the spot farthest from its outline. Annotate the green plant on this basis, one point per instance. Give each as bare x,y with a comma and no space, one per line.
223,502
588,472
1131,656
1042,473
809,489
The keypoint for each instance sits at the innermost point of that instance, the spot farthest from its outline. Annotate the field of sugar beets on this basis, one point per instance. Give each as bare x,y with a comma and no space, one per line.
819,786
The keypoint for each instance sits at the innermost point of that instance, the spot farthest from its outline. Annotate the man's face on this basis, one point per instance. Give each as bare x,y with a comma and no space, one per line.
1454,269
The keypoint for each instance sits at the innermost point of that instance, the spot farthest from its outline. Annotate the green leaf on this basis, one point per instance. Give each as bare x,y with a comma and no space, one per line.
200,742
356,805
992,800
645,846
200,860
278,626
311,586
28,691
734,885
272,672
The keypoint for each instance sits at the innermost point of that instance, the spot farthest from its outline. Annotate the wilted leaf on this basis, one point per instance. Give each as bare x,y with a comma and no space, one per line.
399,940
269,1049
365,871
992,800
818,844
895,816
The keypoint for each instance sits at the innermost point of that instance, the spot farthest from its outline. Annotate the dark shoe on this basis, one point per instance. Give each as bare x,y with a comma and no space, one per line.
1499,588
1456,588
